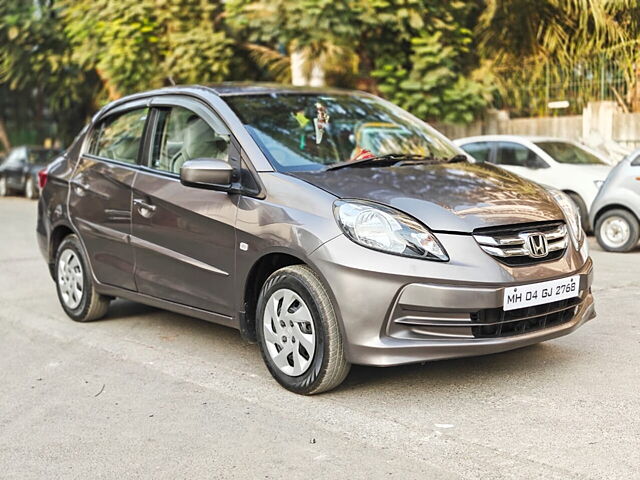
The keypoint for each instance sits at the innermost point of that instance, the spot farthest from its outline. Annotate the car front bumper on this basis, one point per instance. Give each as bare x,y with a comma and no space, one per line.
396,310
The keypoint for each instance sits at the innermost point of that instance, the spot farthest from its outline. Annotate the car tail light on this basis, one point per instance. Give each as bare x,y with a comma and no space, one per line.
42,178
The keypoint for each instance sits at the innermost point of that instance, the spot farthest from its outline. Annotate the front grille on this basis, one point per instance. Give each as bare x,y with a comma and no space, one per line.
509,244
495,322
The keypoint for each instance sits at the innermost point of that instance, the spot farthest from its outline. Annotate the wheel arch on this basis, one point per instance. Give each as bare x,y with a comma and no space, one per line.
262,268
58,234
613,206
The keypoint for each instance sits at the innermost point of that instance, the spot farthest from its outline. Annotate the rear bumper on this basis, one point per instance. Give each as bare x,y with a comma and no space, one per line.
393,319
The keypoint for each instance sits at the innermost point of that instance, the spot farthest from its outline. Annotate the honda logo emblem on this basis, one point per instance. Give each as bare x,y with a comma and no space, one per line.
536,245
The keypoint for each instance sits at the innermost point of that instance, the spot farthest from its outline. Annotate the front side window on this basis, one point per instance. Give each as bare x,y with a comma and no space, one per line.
182,135
314,131
514,154
480,150
565,152
119,137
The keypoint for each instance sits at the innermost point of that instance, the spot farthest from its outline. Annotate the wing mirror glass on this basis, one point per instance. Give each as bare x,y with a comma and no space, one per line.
208,173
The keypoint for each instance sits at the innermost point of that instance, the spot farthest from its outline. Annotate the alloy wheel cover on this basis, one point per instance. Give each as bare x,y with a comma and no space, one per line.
289,332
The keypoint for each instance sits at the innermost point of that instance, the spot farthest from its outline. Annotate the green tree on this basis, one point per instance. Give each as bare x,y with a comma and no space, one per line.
415,52
141,44
36,65
523,40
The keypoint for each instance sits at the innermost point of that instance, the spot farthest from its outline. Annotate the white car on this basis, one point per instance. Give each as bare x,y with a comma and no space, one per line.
553,162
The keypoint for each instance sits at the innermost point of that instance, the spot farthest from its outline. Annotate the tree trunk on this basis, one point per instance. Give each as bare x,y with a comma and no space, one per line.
4,138
305,71
634,91
112,92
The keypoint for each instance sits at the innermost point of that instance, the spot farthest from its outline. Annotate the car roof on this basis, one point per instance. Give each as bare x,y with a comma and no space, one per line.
226,89
512,138
265,88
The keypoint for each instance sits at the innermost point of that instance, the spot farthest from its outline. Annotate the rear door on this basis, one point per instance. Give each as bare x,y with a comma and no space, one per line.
100,193
184,237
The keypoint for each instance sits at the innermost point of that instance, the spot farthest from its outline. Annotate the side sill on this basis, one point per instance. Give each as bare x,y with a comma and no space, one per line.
167,305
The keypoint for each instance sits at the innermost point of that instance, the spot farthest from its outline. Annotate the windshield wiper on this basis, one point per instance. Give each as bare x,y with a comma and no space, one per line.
397,159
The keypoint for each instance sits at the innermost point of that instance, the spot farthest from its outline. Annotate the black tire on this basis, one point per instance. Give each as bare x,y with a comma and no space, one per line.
30,189
329,366
92,305
624,216
5,191
582,208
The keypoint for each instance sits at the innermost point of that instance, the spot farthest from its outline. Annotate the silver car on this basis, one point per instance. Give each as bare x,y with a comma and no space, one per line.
616,210
331,227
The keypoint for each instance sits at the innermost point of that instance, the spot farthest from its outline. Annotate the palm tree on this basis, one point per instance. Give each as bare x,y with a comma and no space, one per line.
536,34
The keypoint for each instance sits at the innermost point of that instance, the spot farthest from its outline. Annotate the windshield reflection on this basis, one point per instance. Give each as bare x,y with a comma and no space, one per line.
299,132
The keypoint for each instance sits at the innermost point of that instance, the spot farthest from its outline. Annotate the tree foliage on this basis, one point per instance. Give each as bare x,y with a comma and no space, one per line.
441,60
141,44
36,62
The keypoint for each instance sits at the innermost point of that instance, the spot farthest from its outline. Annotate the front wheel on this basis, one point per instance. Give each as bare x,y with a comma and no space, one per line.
617,230
298,332
76,291
30,189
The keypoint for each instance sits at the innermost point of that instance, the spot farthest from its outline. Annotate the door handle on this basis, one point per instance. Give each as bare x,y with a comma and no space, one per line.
145,209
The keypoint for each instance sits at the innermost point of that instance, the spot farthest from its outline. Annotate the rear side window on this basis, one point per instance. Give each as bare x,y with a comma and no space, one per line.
119,137
480,151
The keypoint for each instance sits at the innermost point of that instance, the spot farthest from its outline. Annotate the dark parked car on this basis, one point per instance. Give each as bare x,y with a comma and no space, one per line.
330,226
19,170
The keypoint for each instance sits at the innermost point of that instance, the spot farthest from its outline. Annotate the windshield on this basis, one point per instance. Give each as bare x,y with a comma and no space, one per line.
564,152
313,131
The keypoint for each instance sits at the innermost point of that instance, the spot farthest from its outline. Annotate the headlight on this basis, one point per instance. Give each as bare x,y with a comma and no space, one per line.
387,230
598,183
571,214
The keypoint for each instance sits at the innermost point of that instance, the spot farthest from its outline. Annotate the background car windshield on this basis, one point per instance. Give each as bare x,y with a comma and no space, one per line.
564,152
37,156
310,132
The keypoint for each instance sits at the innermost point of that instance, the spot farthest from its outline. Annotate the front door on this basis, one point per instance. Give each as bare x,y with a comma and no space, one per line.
184,237
100,195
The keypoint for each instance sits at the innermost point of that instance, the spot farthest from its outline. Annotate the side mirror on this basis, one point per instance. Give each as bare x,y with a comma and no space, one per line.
208,173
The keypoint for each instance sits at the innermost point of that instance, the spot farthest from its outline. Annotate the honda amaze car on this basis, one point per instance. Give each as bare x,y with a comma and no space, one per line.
254,206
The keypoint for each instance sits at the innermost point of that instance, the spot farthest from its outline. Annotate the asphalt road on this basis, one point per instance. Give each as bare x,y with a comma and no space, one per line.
149,394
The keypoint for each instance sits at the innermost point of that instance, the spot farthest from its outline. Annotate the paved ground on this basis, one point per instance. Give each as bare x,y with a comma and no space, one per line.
146,393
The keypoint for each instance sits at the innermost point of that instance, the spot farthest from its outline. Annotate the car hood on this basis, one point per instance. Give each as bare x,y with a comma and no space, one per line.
454,197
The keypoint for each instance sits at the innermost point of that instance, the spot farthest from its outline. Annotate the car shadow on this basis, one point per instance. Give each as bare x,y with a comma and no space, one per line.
469,371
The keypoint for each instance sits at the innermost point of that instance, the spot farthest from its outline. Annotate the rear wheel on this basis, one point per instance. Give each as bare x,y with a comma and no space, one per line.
76,291
30,189
617,230
298,332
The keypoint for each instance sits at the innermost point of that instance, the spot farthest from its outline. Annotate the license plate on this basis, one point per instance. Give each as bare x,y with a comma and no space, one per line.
539,293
